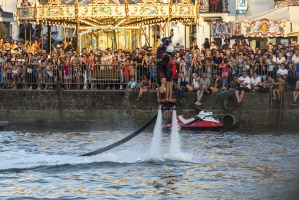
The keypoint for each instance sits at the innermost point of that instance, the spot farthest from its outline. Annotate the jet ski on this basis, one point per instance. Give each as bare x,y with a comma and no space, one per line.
203,120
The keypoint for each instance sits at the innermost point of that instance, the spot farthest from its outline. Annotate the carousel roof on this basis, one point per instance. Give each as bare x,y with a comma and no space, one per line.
118,13
83,2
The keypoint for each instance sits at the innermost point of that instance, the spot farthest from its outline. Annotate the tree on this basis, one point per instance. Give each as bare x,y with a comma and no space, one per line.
2,30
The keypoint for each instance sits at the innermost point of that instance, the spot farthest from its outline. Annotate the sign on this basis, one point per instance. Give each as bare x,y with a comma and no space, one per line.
241,5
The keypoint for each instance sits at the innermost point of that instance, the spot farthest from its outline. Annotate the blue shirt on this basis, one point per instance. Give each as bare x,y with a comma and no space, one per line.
132,85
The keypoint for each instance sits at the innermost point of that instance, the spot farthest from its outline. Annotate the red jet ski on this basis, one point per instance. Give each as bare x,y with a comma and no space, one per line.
203,120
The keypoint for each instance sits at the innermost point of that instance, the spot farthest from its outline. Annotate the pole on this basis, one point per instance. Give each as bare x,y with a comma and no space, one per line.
49,38
42,31
25,26
30,26
64,33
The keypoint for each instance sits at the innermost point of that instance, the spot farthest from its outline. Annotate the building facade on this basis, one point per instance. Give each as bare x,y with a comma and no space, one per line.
210,11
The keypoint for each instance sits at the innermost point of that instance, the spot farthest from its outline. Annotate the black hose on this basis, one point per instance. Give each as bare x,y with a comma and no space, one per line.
116,144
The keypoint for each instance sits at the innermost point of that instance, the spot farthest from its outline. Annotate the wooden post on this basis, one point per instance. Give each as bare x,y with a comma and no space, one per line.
114,40
155,35
139,39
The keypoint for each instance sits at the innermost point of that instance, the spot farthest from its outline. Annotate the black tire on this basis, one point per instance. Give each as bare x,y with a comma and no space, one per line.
229,102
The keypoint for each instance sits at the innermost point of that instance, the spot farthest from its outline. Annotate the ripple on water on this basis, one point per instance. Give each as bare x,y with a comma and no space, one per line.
213,166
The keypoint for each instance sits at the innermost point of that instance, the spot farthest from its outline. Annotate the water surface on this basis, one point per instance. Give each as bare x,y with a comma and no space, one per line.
222,165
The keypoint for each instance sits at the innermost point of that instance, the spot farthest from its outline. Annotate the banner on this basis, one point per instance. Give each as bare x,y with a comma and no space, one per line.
265,28
221,29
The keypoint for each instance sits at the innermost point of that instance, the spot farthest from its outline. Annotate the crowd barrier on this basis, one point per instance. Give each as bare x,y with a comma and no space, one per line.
117,76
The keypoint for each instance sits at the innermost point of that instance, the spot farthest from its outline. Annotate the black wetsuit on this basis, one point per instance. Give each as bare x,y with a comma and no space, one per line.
160,65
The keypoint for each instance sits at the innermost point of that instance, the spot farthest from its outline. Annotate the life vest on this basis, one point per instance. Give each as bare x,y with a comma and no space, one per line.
172,66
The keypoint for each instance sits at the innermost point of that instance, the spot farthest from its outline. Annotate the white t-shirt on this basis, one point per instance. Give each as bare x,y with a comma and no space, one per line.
246,80
295,58
195,83
255,82
280,60
283,72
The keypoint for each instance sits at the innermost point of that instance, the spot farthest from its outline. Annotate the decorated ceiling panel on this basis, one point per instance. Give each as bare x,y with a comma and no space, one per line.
106,12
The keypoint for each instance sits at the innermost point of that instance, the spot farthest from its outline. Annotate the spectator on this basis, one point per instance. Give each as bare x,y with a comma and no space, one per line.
226,44
144,86
206,44
195,82
194,46
282,71
280,85
296,93
220,84
295,61
132,85
244,82
255,82
268,84
261,68
188,58
223,67
181,87
216,60
204,88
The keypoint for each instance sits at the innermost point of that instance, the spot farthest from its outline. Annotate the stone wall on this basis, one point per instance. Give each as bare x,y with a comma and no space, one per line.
111,108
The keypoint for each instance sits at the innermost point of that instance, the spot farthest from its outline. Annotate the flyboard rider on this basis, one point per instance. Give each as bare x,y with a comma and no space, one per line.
161,63
170,63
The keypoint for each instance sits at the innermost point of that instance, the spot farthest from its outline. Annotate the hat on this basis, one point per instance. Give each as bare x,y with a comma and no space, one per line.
250,52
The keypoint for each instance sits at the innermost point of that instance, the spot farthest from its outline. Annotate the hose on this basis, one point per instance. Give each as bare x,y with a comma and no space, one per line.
122,141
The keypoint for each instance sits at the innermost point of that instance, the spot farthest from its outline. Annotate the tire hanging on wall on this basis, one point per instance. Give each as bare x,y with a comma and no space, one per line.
229,102
230,120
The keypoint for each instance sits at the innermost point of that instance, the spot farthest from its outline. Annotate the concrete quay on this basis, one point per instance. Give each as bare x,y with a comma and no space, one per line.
109,107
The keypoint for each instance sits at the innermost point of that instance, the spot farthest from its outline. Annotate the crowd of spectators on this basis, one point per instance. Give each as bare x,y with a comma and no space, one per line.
204,69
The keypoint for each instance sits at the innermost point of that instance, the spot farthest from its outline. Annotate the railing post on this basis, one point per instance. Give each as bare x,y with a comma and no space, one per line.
85,80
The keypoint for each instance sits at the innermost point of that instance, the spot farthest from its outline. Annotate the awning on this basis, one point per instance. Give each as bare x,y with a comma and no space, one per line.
278,22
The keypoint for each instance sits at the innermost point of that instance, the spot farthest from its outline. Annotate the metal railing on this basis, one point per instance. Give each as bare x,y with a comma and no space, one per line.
117,76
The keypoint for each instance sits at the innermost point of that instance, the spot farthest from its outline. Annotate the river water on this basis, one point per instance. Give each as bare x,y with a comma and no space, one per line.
210,165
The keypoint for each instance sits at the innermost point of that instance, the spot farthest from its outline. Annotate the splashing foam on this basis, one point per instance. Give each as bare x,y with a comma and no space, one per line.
155,150
26,160
175,151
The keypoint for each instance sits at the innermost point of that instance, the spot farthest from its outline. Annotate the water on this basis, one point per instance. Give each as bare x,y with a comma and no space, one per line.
155,151
222,165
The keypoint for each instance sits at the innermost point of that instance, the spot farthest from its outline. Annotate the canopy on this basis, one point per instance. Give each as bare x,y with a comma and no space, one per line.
278,22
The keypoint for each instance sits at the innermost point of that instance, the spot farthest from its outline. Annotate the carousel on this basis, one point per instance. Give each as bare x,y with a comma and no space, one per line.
113,24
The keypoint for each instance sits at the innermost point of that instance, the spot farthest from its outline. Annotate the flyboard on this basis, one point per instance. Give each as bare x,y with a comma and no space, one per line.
163,105
122,141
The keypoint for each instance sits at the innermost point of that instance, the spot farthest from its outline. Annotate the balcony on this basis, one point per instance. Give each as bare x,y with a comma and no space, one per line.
213,6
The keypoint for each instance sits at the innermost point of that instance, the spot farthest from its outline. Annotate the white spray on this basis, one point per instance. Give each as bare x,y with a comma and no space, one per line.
155,150
175,141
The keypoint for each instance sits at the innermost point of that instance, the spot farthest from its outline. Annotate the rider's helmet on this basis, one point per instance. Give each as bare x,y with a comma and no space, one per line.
169,49
166,41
